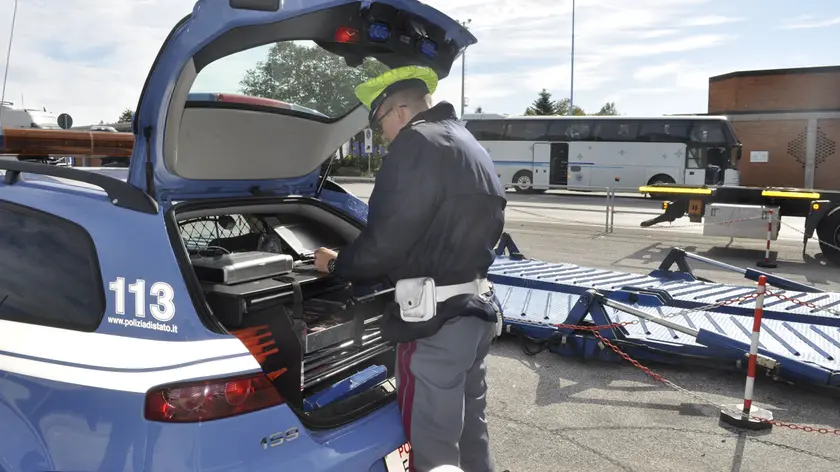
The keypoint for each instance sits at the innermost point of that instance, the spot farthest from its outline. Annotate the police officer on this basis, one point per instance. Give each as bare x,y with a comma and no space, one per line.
435,214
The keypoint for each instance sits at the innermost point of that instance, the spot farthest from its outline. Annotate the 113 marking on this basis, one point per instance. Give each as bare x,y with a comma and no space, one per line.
162,310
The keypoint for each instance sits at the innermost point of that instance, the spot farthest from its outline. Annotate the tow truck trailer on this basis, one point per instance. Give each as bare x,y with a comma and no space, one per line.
743,212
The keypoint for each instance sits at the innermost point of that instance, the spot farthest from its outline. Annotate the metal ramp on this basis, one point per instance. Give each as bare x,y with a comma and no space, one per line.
681,289
670,316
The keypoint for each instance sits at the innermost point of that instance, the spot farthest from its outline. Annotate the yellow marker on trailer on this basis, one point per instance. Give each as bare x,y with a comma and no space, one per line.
676,190
790,194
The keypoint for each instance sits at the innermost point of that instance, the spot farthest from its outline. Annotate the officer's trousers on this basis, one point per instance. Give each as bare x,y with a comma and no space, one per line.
442,394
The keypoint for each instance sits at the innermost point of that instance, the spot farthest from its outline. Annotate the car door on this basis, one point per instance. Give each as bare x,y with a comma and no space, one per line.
50,292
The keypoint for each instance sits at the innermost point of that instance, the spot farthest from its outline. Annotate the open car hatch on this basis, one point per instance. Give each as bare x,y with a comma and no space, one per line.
188,149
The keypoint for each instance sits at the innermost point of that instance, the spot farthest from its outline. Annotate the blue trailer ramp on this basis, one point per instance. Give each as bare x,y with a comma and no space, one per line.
667,316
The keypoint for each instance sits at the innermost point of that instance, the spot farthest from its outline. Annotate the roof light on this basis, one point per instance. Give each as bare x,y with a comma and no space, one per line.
428,48
379,32
346,35
211,399
40,142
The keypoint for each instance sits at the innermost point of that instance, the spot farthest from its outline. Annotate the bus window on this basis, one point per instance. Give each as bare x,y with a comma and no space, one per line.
557,130
486,130
614,130
665,131
579,131
573,129
526,130
695,158
708,132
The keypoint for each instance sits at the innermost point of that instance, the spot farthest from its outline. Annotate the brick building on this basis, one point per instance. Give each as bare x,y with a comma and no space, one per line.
793,114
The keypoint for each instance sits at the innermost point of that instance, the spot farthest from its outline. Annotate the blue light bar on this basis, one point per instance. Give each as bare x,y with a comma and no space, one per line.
379,32
428,48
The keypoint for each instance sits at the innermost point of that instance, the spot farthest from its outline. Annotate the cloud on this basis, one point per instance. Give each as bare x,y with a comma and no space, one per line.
90,58
708,20
529,48
647,73
674,75
810,22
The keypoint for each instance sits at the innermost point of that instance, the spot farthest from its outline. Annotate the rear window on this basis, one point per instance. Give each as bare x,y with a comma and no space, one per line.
49,272
297,75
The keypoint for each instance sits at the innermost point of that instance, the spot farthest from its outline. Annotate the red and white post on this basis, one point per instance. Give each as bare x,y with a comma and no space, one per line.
770,264
749,412
756,332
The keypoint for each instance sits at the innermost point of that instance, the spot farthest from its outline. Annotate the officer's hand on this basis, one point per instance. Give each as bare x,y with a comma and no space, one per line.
322,259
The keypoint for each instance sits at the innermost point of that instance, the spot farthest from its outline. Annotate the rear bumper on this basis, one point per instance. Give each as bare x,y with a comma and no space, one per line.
237,444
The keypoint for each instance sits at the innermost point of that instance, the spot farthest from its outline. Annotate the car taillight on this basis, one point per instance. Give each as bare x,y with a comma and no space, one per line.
210,399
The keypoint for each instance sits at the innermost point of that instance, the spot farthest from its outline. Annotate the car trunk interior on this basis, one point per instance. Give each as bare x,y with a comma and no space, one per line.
316,337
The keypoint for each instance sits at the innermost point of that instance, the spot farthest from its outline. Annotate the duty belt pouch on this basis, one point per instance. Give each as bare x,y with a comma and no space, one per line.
416,298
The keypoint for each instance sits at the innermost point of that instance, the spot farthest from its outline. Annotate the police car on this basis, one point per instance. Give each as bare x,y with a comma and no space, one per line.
172,319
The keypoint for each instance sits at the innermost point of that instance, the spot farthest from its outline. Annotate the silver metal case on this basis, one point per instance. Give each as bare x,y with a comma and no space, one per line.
241,267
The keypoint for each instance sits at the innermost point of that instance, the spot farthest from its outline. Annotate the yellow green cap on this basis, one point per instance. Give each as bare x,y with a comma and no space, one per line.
372,93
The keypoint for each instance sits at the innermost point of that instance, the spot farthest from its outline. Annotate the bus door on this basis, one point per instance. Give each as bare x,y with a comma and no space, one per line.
541,165
695,166
559,169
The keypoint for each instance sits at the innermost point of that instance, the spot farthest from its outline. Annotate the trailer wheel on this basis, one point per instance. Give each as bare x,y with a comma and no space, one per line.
828,231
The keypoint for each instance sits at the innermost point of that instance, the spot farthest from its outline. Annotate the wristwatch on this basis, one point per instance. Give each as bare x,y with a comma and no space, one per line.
331,266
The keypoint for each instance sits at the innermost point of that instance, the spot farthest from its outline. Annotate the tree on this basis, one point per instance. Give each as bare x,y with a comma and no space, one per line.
545,106
308,76
542,105
316,79
478,110
126,116
608,109
562,107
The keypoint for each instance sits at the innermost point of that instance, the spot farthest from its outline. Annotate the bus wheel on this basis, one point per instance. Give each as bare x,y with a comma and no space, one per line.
660,179
829,233
523,181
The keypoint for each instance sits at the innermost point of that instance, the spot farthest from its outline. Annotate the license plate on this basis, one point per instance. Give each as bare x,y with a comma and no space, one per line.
695,207
397,461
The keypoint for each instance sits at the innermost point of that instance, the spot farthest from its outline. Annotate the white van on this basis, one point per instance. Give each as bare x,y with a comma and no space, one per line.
11,117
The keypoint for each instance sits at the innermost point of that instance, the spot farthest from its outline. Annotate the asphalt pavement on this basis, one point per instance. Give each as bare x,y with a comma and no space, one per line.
551,413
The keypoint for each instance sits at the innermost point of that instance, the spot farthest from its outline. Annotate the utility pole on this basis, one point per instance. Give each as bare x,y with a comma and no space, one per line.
8,56
572,91
465,24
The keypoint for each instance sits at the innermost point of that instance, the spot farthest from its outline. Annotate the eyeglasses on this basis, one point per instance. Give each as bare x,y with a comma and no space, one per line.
376,124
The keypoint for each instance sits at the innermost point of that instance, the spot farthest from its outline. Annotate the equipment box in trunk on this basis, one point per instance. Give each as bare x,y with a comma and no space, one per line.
303,328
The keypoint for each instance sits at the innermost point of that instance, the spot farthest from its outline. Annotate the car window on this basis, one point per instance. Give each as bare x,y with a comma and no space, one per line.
49,272
200,234
296,75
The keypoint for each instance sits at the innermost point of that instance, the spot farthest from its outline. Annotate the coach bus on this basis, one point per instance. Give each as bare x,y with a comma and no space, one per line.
534,153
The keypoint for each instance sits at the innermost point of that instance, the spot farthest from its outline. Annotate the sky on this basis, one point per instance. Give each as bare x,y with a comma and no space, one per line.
89,58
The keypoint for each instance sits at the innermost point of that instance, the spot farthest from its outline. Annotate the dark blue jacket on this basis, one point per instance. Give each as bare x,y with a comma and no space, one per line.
436,210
